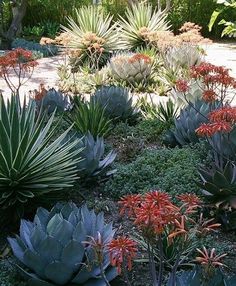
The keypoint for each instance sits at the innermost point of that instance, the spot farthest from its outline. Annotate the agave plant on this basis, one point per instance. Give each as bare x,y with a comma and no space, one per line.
140,19
30,166
131,68
93,162
189,120
52,100
218,185
56,247
89,117
116,101
184,56
93,35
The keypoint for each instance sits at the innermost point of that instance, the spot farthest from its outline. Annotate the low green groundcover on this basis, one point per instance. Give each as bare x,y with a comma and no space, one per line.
171,170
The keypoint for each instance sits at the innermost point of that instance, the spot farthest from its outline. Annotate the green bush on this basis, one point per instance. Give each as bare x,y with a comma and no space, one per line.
171,170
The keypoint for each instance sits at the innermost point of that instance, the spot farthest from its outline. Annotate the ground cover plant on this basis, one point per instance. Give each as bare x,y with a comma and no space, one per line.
124,173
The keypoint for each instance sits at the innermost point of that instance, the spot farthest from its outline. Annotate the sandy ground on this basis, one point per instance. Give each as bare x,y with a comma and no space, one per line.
46,72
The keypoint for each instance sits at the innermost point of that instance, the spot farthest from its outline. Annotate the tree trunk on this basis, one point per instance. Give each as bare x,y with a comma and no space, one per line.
18,11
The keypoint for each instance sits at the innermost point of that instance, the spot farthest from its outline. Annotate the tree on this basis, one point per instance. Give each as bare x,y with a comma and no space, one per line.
18,12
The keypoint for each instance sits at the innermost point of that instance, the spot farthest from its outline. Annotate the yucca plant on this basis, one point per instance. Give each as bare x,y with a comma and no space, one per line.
140,19
89,117
116,101
31,166
57,247
94,36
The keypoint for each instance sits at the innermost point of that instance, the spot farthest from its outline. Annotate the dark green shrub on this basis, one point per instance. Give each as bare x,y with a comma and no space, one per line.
171,170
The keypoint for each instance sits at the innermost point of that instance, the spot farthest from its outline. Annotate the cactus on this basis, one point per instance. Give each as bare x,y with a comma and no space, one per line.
55,247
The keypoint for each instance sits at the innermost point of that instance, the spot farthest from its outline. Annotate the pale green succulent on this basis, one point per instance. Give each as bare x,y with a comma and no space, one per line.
183,56
131,68
56,247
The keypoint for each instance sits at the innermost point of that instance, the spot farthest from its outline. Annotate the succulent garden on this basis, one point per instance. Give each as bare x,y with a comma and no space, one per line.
124,172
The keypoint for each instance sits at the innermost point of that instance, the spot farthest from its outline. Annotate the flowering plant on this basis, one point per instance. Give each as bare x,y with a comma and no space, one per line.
19,62
161,223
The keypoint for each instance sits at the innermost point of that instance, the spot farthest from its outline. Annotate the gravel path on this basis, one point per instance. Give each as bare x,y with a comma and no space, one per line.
46,72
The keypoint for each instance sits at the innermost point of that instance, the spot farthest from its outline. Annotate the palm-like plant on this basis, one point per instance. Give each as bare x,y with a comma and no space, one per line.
141,19
93,34
31,166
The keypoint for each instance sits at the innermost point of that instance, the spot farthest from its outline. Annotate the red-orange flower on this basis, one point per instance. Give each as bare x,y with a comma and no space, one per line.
129,203
205,129
122,250
209,95
226,113
140,57
209,257
160,199
224,127
180,228
191,202
182,85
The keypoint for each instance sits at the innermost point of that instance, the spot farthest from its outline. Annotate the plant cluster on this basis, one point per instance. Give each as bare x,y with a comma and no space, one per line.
167,232
47,50
219,131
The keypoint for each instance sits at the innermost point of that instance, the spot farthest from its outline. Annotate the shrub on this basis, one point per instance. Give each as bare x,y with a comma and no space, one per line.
171,170
46,50
58,247
30,166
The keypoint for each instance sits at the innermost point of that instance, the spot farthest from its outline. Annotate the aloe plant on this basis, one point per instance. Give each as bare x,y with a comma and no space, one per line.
30,166
56,247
